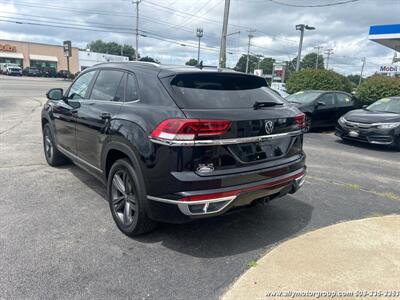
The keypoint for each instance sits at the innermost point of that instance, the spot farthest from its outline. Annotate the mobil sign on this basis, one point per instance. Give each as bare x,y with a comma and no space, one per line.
394,69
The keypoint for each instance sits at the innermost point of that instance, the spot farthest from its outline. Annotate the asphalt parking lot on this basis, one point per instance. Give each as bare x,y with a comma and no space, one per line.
58,240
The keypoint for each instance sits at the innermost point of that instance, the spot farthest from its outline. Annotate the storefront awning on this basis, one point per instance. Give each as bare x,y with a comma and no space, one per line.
387,35
43,57
11,55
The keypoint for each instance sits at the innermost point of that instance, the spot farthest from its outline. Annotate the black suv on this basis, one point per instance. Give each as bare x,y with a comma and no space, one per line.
174,144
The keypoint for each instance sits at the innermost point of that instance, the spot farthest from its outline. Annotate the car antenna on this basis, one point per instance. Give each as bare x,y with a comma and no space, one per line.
200,65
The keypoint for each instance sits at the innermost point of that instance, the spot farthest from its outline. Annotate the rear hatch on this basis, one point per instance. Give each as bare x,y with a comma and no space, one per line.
262,125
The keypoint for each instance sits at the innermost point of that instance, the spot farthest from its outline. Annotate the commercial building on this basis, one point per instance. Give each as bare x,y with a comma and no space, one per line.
88,59
45,56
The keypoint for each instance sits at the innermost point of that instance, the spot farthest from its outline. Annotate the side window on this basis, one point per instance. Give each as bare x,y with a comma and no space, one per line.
131,91
106,85
79,87
344,100
328,99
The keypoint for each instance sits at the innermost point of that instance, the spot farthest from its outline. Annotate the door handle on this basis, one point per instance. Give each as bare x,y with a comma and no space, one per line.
105,115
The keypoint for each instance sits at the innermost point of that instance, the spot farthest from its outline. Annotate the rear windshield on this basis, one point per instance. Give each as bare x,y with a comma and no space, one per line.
218,90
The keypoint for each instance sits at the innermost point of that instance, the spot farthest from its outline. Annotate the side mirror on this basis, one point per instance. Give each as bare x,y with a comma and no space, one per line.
320,103
364,106
55,94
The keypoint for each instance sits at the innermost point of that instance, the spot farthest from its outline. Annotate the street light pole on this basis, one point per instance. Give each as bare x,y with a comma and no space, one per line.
222,50
301,27
199,34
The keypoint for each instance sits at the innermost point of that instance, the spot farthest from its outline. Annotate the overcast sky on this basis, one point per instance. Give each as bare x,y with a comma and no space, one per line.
169,23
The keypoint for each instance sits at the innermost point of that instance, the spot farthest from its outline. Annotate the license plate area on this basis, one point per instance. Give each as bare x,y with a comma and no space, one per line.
354,134
258,151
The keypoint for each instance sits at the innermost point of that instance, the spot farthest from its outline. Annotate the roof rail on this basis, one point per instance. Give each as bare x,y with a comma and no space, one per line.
145,62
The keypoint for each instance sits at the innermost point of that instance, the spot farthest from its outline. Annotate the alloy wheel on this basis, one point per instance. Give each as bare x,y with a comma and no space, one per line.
48,145
123,197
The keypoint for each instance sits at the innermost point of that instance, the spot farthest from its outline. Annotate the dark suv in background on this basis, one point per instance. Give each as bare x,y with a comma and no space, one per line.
175,143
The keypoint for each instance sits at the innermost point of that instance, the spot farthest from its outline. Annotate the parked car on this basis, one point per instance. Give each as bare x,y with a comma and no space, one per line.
174,144
378,123
48,72
31,71
323,108
13,70
62,74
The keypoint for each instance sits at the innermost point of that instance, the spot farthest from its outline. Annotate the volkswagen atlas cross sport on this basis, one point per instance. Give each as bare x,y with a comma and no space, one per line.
174,144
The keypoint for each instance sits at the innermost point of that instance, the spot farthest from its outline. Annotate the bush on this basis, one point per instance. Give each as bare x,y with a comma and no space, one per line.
311,79
377,87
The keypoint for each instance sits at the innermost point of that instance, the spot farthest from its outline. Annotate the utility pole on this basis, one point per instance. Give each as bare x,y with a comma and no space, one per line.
248,49
362,69
328,53
301,27
316,61
222,50
137,28
199,34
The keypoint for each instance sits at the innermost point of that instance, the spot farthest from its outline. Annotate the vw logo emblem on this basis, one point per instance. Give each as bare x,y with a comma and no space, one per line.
269,127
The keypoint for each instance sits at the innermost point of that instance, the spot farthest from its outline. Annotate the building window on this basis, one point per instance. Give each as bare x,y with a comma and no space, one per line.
43,65
5,60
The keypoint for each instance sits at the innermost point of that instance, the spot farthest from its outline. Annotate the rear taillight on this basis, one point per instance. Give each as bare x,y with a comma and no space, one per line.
189,129
300,120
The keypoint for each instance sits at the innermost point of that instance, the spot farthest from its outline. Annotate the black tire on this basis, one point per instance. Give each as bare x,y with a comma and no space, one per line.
127,198
53,157
308,124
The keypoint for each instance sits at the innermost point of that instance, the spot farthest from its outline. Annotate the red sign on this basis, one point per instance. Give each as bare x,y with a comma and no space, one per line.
7,48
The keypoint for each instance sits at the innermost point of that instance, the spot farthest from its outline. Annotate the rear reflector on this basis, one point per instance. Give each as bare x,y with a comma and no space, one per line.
189,129
300,120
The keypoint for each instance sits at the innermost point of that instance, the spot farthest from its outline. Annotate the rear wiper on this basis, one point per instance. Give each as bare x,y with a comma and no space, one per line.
258,104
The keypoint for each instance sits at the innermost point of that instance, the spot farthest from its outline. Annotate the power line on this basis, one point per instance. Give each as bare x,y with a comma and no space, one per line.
315,5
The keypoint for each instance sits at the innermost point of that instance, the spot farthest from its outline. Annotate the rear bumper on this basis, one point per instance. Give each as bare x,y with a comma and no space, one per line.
178,211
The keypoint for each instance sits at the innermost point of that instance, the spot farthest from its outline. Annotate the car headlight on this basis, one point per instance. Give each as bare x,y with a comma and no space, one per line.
388,125
342,120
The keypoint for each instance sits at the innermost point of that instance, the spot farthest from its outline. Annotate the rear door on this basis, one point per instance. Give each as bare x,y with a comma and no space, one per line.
95,113
231,96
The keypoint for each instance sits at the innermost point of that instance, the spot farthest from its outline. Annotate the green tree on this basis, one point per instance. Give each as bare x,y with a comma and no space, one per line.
377,87
321,79
309,61
354,79
241,64
266,64
112,48
149,59
191,62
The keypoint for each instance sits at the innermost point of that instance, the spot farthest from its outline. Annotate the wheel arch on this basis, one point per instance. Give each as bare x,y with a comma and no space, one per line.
116,150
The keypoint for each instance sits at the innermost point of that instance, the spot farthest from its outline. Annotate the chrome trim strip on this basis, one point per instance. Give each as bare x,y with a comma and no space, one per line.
222,142
184,206
68,153
162,200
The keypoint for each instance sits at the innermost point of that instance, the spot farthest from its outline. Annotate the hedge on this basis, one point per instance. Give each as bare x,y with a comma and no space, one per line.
377,87
311,79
